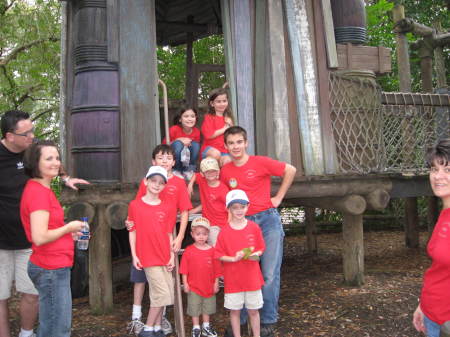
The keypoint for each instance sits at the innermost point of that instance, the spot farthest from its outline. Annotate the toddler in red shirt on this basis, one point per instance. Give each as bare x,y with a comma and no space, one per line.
200,273
239,246
151,242
212,197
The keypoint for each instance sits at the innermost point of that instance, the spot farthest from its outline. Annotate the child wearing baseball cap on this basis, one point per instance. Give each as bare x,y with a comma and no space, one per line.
212,196
200,273
239,246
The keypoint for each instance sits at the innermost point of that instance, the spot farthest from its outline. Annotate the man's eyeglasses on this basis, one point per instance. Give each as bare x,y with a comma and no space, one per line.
25,134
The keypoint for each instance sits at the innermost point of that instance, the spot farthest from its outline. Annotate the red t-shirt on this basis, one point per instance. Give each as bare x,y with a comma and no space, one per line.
175,193
52,255
201,269
213,201
177,131
151,223
243,275
254,177
435,298
212,123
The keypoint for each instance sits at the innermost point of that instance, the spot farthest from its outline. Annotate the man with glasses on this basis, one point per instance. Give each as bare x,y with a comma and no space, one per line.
17,135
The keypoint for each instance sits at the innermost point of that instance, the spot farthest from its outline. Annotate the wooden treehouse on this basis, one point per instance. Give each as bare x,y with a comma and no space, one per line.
301,82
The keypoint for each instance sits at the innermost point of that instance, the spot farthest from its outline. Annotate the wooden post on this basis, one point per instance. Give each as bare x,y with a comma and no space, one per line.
404,73
426,66
432,213
311,232
190,96
100,266
411,223
353,249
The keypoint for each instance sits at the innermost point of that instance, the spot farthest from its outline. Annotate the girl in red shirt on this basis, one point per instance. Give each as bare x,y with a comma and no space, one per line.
216,121
184,134
434,307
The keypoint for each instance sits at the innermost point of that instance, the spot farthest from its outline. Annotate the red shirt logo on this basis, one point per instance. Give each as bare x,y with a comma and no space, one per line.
172,190
233,182
251,174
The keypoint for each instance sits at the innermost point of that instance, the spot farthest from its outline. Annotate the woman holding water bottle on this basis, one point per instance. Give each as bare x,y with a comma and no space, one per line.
52,240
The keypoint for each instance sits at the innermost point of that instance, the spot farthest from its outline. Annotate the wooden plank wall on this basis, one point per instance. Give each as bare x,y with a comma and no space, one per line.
229,52
139,93
277,61
242,37
305,86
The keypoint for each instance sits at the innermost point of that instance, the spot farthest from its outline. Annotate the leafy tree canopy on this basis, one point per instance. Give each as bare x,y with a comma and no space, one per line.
29,60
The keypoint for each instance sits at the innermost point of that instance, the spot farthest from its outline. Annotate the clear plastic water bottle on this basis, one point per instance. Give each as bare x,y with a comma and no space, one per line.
83,240
185,156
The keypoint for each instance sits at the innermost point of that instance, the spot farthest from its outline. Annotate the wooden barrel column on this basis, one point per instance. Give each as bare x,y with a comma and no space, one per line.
95,133
349,19
95,122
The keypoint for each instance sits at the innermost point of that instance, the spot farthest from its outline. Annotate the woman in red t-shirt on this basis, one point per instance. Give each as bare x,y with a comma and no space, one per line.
184,134
434,307
51,240
216,121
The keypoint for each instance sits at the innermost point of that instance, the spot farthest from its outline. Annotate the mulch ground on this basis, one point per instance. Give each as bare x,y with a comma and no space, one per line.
313,301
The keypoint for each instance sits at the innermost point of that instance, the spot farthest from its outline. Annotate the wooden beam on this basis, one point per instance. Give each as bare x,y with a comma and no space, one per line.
187,27
112,24
350,204
411,223
377,199
353,250
407,25
403,98
330,41
404,69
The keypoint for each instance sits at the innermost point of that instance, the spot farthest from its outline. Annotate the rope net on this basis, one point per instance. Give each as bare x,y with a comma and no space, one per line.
371,137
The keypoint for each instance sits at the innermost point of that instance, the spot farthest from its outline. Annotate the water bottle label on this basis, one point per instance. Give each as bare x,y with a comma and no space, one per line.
84,236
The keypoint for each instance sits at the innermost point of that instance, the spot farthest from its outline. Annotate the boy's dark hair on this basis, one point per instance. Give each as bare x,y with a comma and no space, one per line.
33,155
163,149
10,119
176,119
234,130
439,153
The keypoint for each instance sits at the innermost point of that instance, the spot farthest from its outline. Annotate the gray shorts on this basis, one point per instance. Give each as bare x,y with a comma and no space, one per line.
13,267
198,305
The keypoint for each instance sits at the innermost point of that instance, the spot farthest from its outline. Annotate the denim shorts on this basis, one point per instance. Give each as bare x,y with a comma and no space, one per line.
205,151
432,328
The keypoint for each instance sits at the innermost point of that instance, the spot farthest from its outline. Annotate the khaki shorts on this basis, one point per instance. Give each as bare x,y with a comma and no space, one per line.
13,267
251,299
213,234
160,285
200,305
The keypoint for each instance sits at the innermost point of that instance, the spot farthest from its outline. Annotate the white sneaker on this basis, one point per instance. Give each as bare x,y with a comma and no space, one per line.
166,327
135,326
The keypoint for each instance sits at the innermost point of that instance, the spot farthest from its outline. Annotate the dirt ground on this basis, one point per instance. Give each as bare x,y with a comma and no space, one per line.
313,300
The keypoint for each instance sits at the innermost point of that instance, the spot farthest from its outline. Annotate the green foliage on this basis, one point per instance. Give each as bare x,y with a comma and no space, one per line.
380,33
172,66
29,61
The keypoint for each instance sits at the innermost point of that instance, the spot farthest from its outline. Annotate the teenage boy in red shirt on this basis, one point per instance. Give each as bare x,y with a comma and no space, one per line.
253,175
176,194
200,272
239,246
151,247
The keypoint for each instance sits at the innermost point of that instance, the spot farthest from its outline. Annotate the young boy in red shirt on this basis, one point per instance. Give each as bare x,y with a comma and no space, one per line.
239,246
200,273
175,193
151,247
212,196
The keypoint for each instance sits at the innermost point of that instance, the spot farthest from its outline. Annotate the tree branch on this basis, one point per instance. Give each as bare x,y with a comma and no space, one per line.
8,6
16,51
48,133
39,115
26,95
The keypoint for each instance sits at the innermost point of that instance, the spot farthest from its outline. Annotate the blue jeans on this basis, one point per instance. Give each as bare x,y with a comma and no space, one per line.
432,329
55,300
270,223
177,147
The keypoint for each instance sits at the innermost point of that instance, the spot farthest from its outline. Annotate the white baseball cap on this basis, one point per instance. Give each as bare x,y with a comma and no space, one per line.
236,196
157,170
200,221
